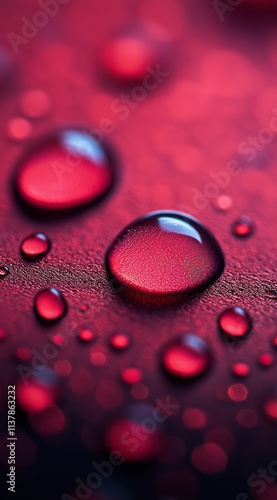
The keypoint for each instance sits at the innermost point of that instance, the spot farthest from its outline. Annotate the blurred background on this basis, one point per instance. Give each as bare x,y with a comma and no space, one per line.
162,105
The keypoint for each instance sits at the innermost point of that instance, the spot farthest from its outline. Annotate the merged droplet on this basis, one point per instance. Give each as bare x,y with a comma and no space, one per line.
164,256
35,246
243,227
186,357
67,169
134,50
50,305
235,322
4,271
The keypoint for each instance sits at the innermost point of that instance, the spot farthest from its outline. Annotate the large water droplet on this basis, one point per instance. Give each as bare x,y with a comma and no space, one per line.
187,357
164,256
235,322
50,304
67,169
35,246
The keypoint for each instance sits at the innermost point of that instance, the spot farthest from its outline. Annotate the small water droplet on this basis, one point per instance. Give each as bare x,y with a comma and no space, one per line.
40,393
131,375
266,360
237,392
274,342
133,50
3,334
23,353
186,357
235,323
243,227
18,129
270,408
86,335
164,256
97,358
240,369
209,458
50,305
223,203
34,103
63,368
4,271
58,339
35,246
120,341
194,418
65,170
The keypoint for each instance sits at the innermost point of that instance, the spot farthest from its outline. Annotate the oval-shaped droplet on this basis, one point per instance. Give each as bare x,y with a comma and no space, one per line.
164,256
235,323
50,305
35,246
187,357
66,170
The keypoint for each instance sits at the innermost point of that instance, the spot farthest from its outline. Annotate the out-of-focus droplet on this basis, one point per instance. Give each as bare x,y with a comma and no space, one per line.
83,308
63,368
49,421
240,369
120,341
131,375
223,203
209,459
133,51
18,129
98,358
34,103
186,357
23,353
243,227
108,394
139,391
235,323
4,271
193,418
247,418
35,246
274,342
39,393
270,408
50,305
266,360
164,256
237,392
65,170
58,340
85,335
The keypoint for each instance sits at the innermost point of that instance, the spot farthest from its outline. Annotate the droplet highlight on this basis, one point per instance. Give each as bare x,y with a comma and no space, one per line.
164,256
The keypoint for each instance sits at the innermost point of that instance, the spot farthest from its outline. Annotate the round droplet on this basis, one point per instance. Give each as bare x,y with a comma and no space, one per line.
194,418
209,458
164,256
34,103
240,369
18,129
266,360
243,227
67,169
35,246
4,271
133,51
39,393
223,203
235,322
58,339
187,357
237,392
50,304
86,335
131,375
23,353
247,418
120,341
270,408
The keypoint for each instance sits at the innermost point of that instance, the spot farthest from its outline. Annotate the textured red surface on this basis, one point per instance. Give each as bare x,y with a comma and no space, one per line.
220,90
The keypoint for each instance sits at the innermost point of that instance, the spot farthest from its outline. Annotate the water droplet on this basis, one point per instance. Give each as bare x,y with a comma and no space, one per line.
97,358
58,339
4,271
209,458
35,246
235,323
266,360
34,103
133,50
243,227
223,203
65,170
50,304
23,353
120,341
18,129
270,408
237,392
139,391
40,393
131,375
86,335
187,357
194,418
164,256
63,368
240,369
247,418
